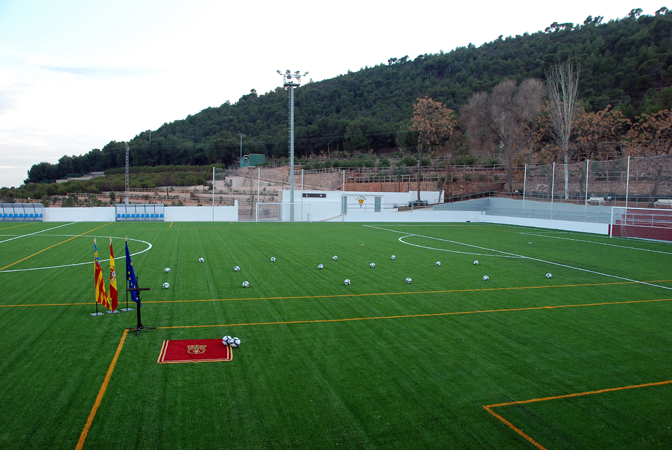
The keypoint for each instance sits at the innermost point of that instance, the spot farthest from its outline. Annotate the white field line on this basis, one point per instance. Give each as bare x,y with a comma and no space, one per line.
30,234
518,256
116,258
598,243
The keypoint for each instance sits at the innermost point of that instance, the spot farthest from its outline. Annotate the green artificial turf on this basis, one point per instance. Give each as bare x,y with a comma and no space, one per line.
377,364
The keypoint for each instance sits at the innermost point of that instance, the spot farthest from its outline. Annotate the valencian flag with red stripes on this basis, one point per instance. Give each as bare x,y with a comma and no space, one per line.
130,277
101,295
113,281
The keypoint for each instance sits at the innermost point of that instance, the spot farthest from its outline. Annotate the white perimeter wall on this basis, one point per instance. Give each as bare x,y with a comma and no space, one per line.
102,214
171,214
329,210
200,213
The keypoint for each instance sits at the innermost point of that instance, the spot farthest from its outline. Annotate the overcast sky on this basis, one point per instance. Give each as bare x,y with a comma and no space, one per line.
76,74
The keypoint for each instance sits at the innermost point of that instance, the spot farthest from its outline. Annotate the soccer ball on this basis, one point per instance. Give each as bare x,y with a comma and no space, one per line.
236,269
409,280
272,258
201,260
246,284
486,278
438,263
166,285
226,340
476,262
347,281
548,275
372,265
167,270
235,342
394,257
335,258
320,266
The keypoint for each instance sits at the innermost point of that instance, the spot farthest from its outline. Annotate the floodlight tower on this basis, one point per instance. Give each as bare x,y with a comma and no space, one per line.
126,187
290,81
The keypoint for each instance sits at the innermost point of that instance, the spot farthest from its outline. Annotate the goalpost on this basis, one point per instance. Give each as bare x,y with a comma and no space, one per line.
277,212
643,223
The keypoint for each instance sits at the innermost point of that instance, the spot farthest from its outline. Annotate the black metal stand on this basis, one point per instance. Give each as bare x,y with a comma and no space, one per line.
139,327
97,313
127,308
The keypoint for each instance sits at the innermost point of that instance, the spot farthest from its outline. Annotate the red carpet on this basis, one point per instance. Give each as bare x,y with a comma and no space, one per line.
194,350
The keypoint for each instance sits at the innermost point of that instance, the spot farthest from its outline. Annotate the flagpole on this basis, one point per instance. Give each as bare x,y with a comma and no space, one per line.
95,286
135,289
127,308
115,310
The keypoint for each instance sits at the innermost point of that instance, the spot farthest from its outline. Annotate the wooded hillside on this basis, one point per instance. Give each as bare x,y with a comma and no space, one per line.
626,63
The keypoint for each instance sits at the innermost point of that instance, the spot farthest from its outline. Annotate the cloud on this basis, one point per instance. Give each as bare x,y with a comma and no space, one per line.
105,72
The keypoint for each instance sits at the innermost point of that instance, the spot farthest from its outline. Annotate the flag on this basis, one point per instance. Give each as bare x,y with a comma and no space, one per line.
113,281
130,277
101,295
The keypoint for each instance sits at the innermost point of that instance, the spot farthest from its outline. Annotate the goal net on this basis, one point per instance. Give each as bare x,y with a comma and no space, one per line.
268,212
278,212
643,223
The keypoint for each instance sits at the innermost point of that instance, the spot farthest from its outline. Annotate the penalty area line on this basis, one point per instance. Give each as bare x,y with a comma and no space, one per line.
577,394
514,255
52,246
37,232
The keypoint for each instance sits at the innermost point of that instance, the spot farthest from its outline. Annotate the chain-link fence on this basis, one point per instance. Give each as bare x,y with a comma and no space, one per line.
637,180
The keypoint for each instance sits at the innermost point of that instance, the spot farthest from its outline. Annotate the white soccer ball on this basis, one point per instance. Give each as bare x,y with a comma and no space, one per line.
409,280
226,340
201,260
167,270
548,275
320,266
166,285
394,257
246,284
235,342
372,265
486,278
335,258
272,258
347,282
476,262
236,269
438,263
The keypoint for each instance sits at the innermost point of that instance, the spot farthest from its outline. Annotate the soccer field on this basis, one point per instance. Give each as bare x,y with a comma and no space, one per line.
578,360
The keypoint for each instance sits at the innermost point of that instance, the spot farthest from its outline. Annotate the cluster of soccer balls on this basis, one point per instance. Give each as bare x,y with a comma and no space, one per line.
167,270
321,266
231,341
166,285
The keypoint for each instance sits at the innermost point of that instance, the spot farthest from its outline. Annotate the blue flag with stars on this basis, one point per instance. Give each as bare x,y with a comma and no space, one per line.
130,277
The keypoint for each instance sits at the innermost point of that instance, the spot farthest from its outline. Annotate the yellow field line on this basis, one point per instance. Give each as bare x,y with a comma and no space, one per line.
15,226
578,394
449,291
103,388
52,246
171,225
456,313
515,428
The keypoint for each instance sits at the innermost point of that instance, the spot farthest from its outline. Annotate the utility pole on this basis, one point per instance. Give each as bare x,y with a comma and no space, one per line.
290,81
241,148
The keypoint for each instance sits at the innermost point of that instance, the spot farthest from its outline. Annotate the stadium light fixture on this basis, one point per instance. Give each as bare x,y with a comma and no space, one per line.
290,81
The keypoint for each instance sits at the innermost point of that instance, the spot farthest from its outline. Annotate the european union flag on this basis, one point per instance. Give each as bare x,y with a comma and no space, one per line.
130,277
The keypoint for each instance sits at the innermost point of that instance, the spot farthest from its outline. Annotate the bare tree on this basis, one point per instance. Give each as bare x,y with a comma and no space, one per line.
563,93
505,120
